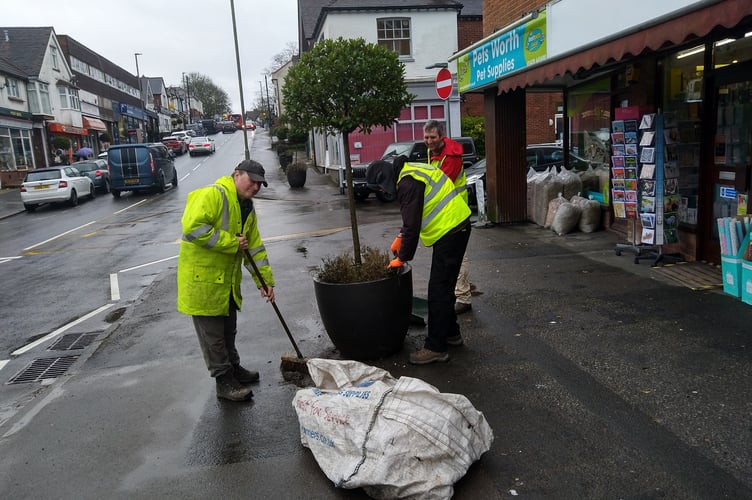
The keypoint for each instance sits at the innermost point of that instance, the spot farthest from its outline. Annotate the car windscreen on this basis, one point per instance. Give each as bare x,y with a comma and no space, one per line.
42,175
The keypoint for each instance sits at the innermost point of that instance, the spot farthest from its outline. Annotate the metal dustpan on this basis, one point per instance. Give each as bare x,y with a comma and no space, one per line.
419,312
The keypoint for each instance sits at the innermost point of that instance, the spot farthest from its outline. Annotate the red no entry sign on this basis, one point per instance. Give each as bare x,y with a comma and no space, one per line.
444,83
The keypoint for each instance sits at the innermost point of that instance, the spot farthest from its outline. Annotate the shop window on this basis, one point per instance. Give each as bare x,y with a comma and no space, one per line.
589,114
732,50
394,34
683,95
6,151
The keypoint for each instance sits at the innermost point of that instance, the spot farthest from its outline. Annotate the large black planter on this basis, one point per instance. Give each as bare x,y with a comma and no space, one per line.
296,177
367,320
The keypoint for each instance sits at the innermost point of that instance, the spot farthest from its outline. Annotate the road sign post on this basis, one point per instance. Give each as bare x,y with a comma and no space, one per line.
444,86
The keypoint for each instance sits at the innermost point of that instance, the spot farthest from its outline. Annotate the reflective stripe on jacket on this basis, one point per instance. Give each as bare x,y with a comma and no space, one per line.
454,149
443,207
209,261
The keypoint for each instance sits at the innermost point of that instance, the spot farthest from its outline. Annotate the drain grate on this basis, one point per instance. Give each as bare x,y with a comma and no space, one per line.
43,368
73,341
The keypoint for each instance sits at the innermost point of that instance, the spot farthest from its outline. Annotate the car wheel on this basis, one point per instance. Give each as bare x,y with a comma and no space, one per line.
360,195
191,154
161,183
385,197
115,193
73,200
175,177
92,191
106,188
30,207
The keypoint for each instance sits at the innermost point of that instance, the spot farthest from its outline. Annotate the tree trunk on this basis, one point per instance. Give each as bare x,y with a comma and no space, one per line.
351,197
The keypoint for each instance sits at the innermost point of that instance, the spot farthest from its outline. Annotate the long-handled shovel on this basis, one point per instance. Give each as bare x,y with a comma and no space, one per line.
288,362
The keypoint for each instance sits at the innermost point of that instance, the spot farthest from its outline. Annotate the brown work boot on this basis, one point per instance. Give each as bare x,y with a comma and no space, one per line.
228,387
244,376
426,356
462,307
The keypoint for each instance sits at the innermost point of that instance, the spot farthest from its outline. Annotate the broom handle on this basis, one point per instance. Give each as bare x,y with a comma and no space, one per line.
276,309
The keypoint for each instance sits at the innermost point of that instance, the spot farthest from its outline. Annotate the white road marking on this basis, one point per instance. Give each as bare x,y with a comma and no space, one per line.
60,330
114,288
147,264
3,362
197,166
129,207
185,177
59,235
8,259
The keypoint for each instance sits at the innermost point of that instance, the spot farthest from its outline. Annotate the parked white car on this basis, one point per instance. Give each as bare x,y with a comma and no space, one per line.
55,184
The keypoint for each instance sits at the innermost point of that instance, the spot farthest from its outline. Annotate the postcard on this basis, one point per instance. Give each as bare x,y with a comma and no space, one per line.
617,138
617,126
617,161
647,187
631,196
648,220
647,171
631,208
617,195
647,204
670,171
630,137
648,121
671,203
618,184
630,161
648,236
647,138
630,184
672,186
671,135
647,155
630,148
630,125
618,172
630,172
617,149
620,211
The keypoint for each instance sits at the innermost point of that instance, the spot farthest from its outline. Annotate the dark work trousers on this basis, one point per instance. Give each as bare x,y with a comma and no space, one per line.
216,336
445,267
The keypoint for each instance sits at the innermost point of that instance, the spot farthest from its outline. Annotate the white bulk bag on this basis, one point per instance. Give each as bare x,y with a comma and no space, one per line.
395,438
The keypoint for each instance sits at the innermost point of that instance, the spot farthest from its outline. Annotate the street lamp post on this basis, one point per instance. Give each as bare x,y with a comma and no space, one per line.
240,80
140,90
187,98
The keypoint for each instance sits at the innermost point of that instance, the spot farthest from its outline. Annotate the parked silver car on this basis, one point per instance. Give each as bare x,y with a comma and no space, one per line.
55,184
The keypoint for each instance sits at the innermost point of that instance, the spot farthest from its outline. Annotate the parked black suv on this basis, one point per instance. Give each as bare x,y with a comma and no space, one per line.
415,151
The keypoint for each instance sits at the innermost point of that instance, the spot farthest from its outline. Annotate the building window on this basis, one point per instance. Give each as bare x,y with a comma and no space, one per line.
53,55
394,34
15,149
13,88
39,98
69,98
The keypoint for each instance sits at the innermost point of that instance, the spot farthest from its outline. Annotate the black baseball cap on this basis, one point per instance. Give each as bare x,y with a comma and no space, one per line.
254,169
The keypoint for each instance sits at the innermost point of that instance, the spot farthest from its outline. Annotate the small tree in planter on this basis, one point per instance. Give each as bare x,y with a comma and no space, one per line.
340,86
343,85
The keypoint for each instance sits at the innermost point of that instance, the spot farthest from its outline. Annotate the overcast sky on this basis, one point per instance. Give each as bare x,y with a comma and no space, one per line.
174,37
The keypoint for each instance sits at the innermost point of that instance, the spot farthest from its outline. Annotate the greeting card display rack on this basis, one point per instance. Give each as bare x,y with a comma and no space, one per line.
640,187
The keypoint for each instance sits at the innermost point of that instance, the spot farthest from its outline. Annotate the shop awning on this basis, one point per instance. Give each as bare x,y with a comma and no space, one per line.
696,24
94,123
65,129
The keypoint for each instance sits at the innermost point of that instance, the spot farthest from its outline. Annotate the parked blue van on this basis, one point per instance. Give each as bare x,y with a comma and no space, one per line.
141,167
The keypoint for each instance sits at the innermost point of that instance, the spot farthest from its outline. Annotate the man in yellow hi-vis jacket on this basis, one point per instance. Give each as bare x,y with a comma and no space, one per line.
219,224
434,211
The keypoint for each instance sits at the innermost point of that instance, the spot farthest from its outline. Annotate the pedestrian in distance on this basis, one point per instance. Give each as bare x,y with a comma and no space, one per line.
219,224
446,154
433,211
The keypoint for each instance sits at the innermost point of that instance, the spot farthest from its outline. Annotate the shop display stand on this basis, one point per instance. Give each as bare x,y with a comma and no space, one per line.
624,174
656,253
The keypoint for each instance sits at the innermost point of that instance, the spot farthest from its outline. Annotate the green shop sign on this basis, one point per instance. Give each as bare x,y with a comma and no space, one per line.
511,51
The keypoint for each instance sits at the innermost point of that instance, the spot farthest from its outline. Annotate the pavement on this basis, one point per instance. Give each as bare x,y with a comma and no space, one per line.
10,202
599,377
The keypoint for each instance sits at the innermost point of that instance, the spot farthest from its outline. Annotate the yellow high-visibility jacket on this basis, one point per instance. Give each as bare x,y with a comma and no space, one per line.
209,264
443,206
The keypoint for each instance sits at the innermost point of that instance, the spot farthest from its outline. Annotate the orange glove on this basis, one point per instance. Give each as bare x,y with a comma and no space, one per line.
396,263
396,245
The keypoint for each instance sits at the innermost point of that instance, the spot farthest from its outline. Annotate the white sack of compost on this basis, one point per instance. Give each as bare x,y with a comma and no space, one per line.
546,188
571,184
395,438
590,219
553,206
566,218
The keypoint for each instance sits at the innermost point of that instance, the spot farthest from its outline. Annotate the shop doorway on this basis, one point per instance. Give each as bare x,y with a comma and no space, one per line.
728,183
